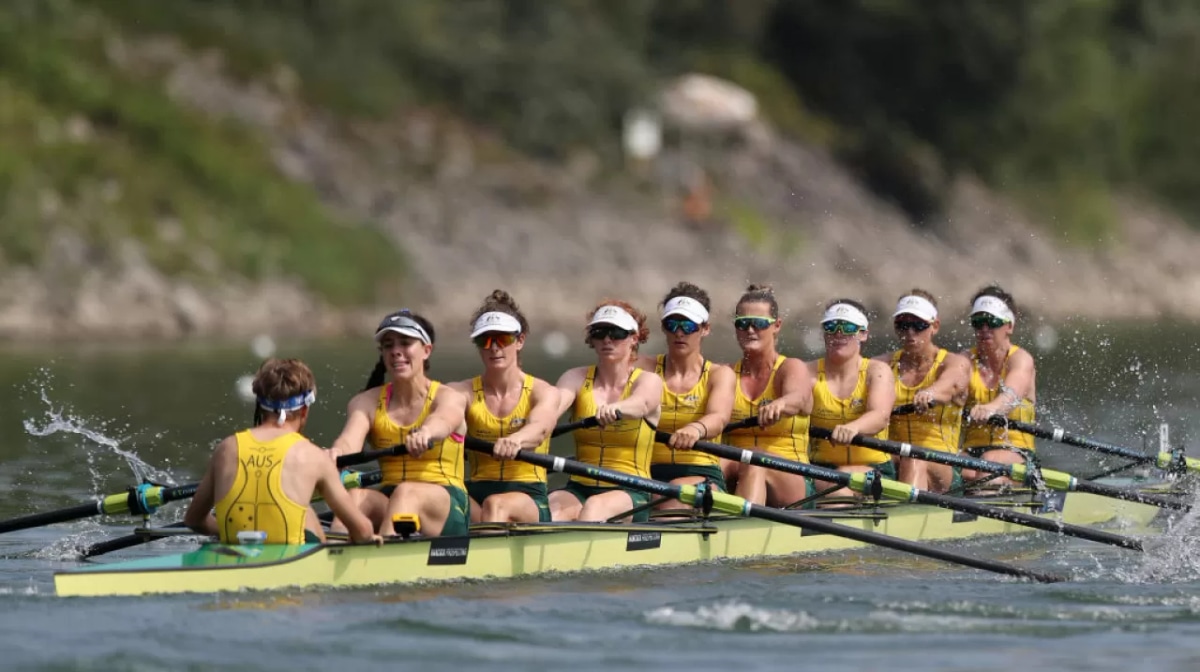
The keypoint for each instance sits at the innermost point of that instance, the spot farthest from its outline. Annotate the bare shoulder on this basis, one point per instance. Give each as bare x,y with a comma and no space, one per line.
573,377
648,378
1021,357
364,400
227,448
878,368
721,372
956,359
449,394
793,366
647,362
463,386
885,357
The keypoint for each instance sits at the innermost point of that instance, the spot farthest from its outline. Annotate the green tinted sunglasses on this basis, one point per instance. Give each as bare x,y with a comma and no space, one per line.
834,326
981,320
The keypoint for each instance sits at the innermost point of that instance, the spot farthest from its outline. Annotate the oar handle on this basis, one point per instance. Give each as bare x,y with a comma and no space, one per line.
744,423
583,423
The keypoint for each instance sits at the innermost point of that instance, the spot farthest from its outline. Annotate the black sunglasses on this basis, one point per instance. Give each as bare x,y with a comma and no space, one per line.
603,331
916,326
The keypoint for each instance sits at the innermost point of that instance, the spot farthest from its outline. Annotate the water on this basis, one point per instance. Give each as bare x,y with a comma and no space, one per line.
82,422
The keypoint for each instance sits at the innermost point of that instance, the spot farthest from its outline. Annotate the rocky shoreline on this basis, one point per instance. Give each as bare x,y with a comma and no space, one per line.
560,238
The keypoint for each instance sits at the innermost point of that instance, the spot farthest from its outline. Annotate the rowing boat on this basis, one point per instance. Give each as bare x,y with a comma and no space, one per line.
494,551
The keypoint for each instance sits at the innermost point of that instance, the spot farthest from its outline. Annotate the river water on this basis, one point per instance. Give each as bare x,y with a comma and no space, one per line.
80,421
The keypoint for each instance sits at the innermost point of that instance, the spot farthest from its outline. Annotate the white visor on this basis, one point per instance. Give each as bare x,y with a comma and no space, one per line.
918,306
686,307
847,312
616,316
992,306
403,325
496,321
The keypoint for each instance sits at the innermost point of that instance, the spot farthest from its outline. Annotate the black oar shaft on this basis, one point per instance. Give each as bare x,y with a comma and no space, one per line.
52,517
738,506
905,492
1062,436
1056,480
895,543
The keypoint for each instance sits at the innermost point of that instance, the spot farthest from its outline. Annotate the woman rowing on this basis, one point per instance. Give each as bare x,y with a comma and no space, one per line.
262,479
775,389
932,382
852,395
1003,382
421,414
697,395
511,409
625,400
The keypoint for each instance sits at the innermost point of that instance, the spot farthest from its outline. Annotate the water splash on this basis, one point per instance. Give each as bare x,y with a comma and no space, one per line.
737,616
59,421
1174,555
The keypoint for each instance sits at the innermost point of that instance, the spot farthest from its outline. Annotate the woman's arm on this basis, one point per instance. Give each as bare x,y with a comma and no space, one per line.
359,414
721,381
881,397
793,389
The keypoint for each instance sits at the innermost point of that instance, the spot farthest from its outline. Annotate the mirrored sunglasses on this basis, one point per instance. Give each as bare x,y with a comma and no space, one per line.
502,339
834,326
675,325
743,322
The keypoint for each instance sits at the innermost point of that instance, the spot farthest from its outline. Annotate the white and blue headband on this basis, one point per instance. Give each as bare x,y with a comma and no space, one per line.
282,406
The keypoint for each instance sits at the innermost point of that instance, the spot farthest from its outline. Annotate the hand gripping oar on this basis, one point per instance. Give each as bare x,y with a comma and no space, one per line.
1172,461
1021,473
700,495
866,484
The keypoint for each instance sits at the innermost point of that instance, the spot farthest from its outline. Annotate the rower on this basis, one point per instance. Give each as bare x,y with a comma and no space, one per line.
421,414
625,401
262,479
775,389
512,409
1003,382
852,395
933,381
697,395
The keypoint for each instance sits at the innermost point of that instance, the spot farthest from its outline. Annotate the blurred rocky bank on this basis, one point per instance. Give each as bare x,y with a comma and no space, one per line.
725,201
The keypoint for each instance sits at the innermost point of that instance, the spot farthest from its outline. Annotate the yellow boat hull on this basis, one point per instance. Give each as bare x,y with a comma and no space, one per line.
506,551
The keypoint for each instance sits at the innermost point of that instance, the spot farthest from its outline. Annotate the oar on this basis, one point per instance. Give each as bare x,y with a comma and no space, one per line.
143,499
1021,473
1163,460
864,483
734,505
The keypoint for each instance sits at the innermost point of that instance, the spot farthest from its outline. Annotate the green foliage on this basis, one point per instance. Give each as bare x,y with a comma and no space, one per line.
106,157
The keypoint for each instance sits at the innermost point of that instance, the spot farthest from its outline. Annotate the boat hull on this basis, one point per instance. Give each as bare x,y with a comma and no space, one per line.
506,551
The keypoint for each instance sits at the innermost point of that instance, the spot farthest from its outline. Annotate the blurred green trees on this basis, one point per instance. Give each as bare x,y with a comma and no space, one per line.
1061,103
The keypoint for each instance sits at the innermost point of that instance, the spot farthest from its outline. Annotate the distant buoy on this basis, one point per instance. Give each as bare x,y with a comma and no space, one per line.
244,387
1046,338
556,344
263,346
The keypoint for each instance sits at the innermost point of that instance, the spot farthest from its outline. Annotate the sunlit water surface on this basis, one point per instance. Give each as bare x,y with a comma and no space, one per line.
78,423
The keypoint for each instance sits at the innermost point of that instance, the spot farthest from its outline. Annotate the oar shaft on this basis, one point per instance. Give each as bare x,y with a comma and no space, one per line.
907,493
1056,480
52,517
1062,436
895,543
732,504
